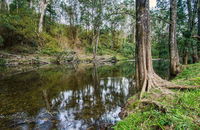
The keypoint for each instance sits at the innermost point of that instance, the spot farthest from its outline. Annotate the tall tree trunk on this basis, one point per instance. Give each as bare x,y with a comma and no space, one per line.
195,46
198,43
43,6
144,68
192,11
146,78
173,49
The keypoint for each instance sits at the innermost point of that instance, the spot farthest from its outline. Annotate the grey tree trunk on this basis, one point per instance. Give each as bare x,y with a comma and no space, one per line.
173,49
43,6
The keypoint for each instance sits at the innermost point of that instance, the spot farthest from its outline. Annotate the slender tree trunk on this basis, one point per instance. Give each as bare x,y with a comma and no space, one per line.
43,6
198,43
8,5
185,57
173,49
195,46
192,11
30,4
95,42
113,38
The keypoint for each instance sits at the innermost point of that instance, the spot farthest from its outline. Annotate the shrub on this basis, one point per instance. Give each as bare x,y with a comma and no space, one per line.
1,41
127,49
2,62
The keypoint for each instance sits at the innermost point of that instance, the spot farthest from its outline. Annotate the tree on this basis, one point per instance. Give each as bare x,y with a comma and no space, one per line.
146,78
174,57
43,6
190,44
144,68
198,49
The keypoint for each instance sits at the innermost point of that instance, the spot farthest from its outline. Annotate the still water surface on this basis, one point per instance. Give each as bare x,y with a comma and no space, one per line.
70,97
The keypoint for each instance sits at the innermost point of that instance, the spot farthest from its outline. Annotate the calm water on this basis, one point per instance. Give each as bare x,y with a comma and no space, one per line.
67,97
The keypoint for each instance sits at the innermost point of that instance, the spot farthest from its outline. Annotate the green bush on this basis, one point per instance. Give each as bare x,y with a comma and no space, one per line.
19,28
127,49
2,62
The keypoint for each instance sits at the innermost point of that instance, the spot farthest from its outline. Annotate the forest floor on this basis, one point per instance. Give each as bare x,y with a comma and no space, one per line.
166,109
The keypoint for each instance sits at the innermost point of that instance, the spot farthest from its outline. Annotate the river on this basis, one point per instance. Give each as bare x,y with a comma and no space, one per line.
69,97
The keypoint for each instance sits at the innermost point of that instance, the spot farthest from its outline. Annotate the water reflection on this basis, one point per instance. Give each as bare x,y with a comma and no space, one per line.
65,97
94,105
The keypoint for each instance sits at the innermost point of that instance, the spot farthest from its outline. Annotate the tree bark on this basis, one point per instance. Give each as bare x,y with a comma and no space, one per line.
173,49
43,6
198,43
144,69
95,42
146,78
185,57
192,11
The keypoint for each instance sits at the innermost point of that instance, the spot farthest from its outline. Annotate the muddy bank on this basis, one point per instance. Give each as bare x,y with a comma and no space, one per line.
7,59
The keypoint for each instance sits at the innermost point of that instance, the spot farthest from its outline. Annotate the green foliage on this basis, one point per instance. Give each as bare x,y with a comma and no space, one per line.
182,112
127,49
153,119
19,28
2,62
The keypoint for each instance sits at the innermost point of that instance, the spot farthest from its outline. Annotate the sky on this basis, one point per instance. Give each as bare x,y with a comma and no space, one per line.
152,3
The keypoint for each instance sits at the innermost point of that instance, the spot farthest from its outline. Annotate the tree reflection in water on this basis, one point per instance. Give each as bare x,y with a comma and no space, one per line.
64,97
96,103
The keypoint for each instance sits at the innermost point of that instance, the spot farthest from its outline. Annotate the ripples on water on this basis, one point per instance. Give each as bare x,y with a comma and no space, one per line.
67,97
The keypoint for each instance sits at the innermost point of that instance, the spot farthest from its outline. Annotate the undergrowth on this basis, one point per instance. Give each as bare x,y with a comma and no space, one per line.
183,112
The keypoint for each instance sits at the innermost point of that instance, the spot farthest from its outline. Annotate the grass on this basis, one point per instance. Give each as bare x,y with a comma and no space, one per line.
183,110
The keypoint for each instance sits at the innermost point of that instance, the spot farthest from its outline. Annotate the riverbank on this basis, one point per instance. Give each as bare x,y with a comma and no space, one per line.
16,59
166,109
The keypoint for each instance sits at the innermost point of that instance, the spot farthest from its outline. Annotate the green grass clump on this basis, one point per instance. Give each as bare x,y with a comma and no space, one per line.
189,76
183,111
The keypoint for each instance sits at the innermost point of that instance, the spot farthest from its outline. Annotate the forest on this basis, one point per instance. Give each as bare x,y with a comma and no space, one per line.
100,64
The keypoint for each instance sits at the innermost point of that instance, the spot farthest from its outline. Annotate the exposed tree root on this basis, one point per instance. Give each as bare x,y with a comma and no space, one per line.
154,81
